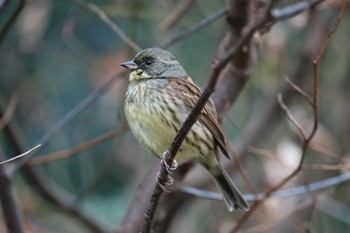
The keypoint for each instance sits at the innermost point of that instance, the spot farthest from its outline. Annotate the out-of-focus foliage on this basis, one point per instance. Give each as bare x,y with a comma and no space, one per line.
58,52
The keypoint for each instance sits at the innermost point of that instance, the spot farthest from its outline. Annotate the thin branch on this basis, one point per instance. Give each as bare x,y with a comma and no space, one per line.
300,190
175,15
12,18
9,205
292,10
327,167
71,115
299,90
291,117
285,215
104,17
10,110
240,168
3,4
21,155
195,28
77,149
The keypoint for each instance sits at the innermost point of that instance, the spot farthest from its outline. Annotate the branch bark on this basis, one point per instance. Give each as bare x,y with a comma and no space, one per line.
9,205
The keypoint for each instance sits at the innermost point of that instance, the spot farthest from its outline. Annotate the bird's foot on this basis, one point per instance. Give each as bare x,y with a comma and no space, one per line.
169,167
163,183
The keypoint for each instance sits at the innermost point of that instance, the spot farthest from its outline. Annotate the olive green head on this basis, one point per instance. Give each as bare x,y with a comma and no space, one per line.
154,63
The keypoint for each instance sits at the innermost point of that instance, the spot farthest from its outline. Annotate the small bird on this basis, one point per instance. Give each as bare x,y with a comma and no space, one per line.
158,100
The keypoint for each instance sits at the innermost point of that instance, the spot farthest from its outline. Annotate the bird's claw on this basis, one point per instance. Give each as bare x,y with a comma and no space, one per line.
169,167
160,182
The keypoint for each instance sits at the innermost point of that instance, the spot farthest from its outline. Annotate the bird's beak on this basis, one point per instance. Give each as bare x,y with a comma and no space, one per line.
131,65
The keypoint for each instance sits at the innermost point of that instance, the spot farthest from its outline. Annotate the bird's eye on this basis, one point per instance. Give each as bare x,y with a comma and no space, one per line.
148,62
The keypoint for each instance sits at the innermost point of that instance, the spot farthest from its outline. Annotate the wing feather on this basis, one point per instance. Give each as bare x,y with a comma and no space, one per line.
190,93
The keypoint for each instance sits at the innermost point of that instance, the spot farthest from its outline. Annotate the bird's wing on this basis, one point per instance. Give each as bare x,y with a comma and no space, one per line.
190,93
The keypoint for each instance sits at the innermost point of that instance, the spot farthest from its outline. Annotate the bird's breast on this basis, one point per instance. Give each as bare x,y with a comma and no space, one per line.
155,115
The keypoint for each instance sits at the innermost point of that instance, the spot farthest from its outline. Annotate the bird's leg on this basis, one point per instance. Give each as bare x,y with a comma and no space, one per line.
163,183
169,167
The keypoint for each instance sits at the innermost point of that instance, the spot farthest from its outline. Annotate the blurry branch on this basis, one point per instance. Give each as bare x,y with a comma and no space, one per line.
335,209
3,5
197,27
327,167
299,90
168,156
308,139
9,22
21,155
60,199
300,190
290,116
71,115
292,10
79,148
10,209
10,110
104,17
240,168
285,215
181,8
41,183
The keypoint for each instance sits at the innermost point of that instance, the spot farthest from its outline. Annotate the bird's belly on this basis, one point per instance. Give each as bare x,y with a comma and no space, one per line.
154,129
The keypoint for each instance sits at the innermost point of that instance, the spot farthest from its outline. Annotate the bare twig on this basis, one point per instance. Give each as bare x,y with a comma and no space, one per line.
13,16
327,167
240,168
286,214
291,117
300,190
292,10
21,155
104,17
3,4
195,28
10,110
77,149
71,115
299,90
175,15
42,183
11,210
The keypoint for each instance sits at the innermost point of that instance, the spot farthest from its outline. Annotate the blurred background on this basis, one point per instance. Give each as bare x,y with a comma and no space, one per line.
56,53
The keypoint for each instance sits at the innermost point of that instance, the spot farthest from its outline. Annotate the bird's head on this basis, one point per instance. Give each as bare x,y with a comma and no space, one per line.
154,63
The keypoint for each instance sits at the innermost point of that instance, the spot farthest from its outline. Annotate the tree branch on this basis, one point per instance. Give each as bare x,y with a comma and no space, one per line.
9,205
300,190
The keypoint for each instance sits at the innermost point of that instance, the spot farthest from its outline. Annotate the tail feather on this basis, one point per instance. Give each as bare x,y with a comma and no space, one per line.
231,195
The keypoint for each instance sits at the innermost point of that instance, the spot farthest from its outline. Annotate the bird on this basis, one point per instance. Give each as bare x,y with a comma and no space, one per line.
159,97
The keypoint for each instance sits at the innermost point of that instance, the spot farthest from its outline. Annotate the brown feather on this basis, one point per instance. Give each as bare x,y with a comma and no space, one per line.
190,93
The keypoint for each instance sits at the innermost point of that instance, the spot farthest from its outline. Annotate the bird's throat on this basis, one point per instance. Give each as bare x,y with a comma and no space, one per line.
137,75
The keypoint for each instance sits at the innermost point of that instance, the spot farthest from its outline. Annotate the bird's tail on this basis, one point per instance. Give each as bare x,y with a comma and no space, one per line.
231,195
